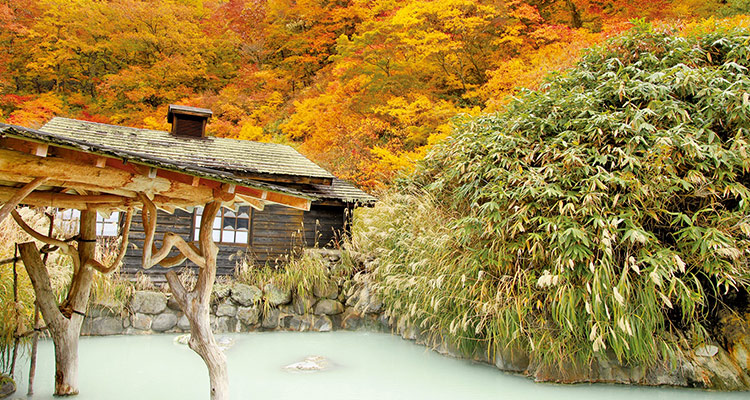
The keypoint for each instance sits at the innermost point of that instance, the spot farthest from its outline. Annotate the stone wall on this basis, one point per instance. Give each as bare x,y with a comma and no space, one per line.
346,304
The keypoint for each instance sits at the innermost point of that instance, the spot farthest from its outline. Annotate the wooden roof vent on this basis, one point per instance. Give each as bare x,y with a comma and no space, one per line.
188,121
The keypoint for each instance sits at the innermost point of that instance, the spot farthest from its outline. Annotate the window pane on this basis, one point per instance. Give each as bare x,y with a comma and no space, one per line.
109,230
242,224
228,237
240,237
217,235
198,210
217,222
228,213
244,215
229,223
196,234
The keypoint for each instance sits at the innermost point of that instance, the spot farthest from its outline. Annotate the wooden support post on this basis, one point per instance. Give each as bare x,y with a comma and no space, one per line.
65,321
196,306
37,325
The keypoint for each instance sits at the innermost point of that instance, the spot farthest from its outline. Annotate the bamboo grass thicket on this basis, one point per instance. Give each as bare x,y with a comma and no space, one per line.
606,214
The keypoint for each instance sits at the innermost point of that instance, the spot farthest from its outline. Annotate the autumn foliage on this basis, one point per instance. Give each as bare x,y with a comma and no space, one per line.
362,87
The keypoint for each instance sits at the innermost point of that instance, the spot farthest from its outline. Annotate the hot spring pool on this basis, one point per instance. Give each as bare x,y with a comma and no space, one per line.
367,366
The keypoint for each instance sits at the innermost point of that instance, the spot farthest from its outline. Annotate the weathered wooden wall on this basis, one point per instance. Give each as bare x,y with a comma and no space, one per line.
276,233
324,226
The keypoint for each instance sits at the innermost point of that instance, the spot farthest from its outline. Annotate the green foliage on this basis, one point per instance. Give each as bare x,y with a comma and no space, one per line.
607,211
300,274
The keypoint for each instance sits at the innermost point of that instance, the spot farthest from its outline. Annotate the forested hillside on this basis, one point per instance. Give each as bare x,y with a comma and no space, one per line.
362,87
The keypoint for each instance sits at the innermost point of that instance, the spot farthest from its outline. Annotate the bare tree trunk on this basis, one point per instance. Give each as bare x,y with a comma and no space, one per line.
196,302
65,321
66,362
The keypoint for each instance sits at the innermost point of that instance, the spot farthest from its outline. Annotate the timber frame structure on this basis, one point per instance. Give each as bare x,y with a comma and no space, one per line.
54,169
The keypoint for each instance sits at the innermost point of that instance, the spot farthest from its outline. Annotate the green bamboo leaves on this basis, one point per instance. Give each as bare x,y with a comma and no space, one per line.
608,211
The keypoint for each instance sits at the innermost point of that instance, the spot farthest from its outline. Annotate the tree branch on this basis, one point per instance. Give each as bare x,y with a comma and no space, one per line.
66,248
207,275
151,256
180,294
11,204
97,265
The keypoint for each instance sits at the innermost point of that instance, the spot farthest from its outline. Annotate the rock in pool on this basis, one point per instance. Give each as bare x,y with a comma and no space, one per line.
224,342
310,364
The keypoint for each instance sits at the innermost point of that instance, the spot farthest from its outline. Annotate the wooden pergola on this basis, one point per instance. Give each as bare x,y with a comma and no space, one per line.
40,169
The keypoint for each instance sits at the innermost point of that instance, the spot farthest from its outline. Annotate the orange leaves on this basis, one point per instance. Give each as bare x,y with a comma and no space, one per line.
362,87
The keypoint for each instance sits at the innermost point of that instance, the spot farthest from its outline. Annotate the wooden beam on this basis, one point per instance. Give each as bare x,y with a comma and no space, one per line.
41,150
253,202
295,179
61,200
106,179
12,201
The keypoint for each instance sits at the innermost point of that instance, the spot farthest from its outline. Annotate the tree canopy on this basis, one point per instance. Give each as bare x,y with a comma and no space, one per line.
362,87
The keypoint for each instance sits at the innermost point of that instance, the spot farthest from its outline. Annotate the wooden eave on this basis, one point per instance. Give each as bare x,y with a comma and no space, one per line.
283,178
173,186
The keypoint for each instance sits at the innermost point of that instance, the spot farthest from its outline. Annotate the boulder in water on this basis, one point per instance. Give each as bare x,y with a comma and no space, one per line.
310,364
224,342
7,386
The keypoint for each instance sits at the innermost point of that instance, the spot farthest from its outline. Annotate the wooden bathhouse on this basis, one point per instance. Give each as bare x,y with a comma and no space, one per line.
281,201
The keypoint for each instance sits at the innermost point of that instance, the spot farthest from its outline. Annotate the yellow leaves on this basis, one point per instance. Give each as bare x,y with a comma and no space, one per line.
252,132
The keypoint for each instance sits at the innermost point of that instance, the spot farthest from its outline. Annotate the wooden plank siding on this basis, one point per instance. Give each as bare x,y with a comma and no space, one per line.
275,233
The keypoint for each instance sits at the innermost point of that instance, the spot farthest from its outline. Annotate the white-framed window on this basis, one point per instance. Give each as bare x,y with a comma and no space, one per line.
106,226
229,226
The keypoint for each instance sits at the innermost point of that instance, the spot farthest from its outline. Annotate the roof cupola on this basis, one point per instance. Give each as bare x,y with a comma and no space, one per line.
188,121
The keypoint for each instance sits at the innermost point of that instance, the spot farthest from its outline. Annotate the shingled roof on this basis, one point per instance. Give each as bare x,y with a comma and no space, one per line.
339,190
240,157
228,160
45,137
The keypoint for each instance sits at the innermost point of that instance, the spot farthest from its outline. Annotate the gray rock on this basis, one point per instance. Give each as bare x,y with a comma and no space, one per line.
183,323
370,302
326,290
147,302
100,310
299,323
365,300
248,315
164,322
226,310
351,319
707,351
323,324
271,319
275,295
328,307
172,304
309,364
246,295
7,386
226,324
302,304
384,321
221,291
511,358
285,321
106,326
141,321
183,339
